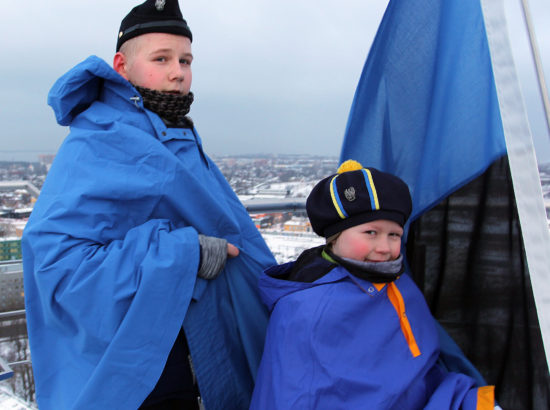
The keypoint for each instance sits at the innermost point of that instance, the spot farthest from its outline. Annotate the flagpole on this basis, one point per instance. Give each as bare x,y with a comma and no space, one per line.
536,56
523,165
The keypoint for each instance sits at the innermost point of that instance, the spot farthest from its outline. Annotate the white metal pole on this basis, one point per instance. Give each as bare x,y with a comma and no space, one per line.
523,165
536,56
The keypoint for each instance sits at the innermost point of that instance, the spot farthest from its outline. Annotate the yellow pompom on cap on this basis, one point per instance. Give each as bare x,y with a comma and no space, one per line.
349,165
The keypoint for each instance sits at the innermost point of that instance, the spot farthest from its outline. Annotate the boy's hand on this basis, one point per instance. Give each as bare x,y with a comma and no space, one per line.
214,253
232,250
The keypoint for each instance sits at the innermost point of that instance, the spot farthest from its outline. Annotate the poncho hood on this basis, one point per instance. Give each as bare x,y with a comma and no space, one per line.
274,285
73,92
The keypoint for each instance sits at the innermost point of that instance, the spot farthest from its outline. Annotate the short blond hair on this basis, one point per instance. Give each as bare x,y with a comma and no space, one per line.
130,48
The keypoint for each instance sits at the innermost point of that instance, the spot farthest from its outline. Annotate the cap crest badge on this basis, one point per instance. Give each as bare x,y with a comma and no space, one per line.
159,4
349,193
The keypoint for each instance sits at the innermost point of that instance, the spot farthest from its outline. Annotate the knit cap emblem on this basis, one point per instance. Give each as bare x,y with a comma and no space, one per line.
349,165
349,193
159,4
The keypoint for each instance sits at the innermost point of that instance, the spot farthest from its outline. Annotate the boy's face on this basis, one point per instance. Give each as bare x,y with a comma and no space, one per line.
376,241
158,61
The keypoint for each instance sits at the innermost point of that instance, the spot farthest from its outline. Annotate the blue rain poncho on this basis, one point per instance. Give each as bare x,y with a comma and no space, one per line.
342,342
111,254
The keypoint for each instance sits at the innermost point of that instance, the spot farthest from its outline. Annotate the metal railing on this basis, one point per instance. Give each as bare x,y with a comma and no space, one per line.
275,205
5,370
14,314
15,265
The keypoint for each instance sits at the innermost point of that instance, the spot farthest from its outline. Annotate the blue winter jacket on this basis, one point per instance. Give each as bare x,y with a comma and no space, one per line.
111,253
341,342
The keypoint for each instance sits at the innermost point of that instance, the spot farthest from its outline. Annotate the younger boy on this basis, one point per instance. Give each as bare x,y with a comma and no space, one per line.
348,330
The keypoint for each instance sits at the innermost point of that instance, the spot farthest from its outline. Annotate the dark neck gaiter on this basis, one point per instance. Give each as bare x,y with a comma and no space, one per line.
376,272
171,108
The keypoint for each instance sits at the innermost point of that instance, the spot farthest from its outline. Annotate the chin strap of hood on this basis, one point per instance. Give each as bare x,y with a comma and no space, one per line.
172,108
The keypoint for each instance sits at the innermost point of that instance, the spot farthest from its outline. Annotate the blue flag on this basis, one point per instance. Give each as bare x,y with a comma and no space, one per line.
426,107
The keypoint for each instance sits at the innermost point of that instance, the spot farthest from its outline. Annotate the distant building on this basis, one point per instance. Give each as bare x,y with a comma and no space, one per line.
297,225
19,213
11,186
12,296
263,221
10,249
46,159
11,226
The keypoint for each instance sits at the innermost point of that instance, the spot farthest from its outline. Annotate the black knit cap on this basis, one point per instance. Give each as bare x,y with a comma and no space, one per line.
356,195
153,16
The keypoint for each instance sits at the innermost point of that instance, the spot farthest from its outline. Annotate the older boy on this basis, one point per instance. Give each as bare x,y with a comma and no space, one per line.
347,329
130,300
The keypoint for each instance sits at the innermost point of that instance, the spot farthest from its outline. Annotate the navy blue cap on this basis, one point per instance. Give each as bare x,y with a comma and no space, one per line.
356,195
153,16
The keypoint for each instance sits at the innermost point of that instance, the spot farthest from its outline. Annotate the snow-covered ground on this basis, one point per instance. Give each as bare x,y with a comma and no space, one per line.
288,246
8,401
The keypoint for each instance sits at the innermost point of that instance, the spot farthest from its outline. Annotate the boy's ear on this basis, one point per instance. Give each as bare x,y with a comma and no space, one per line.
119,64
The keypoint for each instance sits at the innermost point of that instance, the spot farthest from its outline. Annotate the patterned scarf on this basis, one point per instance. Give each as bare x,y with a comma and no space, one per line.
171,108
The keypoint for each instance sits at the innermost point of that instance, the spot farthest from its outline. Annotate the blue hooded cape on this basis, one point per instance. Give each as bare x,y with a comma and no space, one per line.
339,343
111,254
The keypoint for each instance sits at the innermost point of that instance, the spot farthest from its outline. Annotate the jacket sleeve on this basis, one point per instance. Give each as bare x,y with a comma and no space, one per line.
459,391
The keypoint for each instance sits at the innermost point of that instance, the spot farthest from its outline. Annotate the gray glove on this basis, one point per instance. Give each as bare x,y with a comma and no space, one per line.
213,256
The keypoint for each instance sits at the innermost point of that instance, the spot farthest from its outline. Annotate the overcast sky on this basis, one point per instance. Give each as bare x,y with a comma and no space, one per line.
268,76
